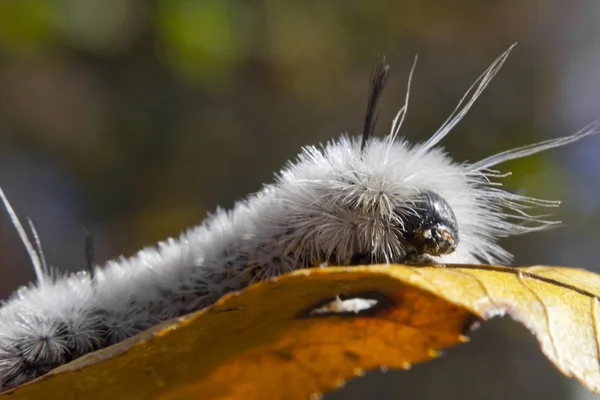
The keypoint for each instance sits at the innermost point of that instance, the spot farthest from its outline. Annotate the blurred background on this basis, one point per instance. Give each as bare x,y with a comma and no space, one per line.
134,119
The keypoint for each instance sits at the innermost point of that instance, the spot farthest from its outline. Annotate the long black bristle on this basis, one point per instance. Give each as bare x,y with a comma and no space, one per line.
378,81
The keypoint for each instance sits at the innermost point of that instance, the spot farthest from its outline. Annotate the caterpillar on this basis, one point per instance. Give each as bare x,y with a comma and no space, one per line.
354,200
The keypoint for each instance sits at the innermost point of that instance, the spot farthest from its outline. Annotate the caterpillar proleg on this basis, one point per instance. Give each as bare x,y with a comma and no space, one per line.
355,200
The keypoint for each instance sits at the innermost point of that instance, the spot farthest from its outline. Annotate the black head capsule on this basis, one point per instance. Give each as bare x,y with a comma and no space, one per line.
431,227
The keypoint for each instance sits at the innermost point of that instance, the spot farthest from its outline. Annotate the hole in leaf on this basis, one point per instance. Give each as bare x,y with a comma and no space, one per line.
349,305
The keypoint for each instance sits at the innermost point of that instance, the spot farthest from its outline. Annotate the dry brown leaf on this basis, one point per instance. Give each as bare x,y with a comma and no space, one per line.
290,338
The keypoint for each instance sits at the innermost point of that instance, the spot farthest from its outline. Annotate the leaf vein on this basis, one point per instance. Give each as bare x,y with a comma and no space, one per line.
559,361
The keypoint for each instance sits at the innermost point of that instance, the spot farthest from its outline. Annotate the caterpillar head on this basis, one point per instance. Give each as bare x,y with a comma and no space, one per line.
431,228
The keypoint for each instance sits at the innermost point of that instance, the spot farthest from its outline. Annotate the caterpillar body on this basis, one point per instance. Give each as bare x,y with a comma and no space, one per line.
352,201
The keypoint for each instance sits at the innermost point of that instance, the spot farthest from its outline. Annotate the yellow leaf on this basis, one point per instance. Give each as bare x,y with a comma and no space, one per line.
292,338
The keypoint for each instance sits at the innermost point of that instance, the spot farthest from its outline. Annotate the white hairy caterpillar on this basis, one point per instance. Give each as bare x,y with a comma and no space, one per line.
354,201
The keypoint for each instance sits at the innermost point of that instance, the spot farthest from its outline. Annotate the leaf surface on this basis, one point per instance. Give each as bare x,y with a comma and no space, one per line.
305,333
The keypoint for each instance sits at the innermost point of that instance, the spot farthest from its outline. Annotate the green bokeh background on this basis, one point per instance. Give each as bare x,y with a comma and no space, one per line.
134,119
